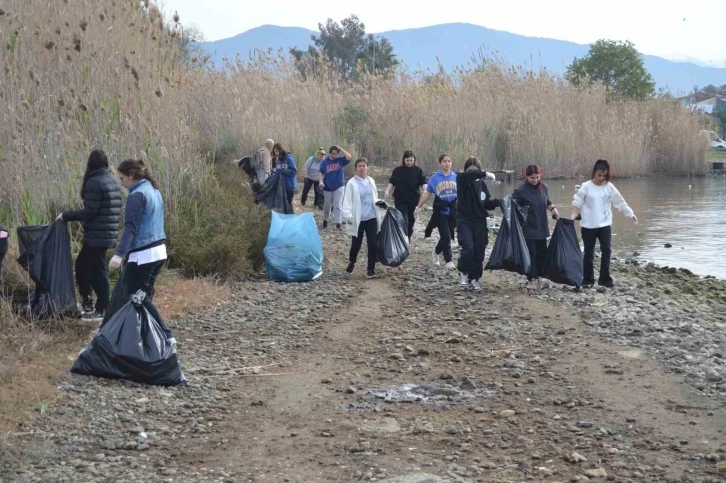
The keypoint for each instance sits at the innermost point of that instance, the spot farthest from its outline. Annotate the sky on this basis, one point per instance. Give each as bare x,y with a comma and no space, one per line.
665,28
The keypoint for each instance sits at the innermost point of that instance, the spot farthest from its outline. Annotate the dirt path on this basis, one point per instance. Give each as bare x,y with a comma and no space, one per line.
289,383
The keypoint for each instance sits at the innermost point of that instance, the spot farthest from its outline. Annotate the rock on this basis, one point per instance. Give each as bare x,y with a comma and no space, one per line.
577,458
351,390
668,245
585,424
596,473
416,478
721,467
507,413
397,356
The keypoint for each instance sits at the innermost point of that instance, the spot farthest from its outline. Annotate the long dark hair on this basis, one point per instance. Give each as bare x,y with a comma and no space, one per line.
96,160
601,165
408,154
473,161
280,149
136,168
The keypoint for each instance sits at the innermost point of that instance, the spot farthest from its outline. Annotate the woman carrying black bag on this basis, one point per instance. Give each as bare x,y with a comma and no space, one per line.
405,186
101,195
471,222
143,238
533,193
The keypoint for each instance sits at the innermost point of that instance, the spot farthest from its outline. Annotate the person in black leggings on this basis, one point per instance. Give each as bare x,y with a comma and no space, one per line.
405,186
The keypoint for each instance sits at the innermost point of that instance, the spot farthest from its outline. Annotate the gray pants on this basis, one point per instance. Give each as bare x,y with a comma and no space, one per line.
333,200
261,175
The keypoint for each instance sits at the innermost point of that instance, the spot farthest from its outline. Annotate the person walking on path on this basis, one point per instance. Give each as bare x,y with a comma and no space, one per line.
443,185
143,241
361,215
473,203
534,194
332,183
593,202
285,166
101,195
405,185
311,173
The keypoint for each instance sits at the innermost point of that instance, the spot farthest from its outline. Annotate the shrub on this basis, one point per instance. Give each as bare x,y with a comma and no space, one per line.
217,229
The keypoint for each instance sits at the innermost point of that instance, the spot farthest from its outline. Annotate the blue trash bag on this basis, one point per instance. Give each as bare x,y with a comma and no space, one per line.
294,252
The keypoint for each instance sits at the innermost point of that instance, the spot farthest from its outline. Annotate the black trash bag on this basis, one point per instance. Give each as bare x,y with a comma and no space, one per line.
45,252
564,258
119,296
274,196
132,346
321,198
392,246
4,242
510,250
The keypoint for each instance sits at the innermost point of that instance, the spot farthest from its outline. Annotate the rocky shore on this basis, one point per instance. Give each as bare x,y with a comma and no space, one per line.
407,378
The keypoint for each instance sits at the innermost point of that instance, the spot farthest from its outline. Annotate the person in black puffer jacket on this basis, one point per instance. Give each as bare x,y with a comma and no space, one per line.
4,235
101,194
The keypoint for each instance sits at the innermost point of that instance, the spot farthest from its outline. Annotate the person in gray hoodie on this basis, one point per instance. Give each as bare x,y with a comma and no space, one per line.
311,172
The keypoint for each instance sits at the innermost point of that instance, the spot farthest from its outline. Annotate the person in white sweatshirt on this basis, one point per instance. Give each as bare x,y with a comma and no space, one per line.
593,201
361,215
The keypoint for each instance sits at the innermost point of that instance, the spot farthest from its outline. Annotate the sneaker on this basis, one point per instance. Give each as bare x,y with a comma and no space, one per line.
338,227
349,268
532,285
474,286
371,274
435,257
449,265
87,307
587,285
325,223
463,280
93,316
609,284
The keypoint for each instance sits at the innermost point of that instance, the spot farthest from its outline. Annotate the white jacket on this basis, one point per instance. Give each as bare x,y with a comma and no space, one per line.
595,203
351,206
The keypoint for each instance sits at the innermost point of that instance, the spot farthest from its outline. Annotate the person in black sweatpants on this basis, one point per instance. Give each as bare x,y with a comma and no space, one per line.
533,194
405,185
473,204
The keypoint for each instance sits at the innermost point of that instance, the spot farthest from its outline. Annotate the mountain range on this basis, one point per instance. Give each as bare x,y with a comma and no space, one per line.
454,44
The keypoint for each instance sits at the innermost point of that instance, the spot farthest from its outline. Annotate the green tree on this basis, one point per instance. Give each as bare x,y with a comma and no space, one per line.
710,89
346,45
617,65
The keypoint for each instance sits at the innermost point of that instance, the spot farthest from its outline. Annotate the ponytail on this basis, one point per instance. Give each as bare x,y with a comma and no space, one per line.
137,169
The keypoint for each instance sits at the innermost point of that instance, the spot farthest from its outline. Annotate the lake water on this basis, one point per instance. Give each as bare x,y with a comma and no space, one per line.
691,219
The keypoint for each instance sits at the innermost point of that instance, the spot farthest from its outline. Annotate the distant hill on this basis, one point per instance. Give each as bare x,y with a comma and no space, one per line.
454,44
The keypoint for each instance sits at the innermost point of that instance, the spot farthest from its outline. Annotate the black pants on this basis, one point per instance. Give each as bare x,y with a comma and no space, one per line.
444,245
3,252
406,210
143,277
537,254
92,276
589,236
306,189
370,228
473,240
290,195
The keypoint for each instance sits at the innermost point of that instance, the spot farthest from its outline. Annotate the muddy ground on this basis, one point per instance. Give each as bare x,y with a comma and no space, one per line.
408,378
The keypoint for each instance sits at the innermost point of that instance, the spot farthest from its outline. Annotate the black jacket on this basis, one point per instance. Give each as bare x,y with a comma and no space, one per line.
474,199
3,245
101,210
537,200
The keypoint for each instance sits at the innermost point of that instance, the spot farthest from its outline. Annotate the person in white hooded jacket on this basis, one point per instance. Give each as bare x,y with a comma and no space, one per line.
593,202
361,215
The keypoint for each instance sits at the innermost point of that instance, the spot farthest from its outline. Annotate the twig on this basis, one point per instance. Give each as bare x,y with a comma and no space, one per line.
253,368
263,375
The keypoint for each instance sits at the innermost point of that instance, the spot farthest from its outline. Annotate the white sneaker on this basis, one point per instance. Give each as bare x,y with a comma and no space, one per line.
463,280
435,257
474,286
532,285
449,265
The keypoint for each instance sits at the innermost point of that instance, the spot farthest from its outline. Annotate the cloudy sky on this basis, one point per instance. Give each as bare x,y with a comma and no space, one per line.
666,28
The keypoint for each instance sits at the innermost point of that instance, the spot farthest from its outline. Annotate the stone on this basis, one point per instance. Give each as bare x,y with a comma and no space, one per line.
507,413
596,473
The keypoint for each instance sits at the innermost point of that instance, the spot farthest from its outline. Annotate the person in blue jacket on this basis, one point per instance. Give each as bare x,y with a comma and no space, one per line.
332,168
285,166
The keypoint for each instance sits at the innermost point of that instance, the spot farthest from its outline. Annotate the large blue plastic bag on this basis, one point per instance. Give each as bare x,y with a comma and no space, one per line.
294,252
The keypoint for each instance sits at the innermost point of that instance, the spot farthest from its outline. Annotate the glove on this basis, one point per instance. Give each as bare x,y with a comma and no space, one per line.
59,217
635,219
555,214
348,221
115,262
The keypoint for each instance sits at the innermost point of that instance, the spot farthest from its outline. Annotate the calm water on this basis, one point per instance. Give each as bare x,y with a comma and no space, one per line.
691,219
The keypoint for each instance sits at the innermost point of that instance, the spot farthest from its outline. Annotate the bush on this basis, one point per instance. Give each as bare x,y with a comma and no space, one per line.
217,229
